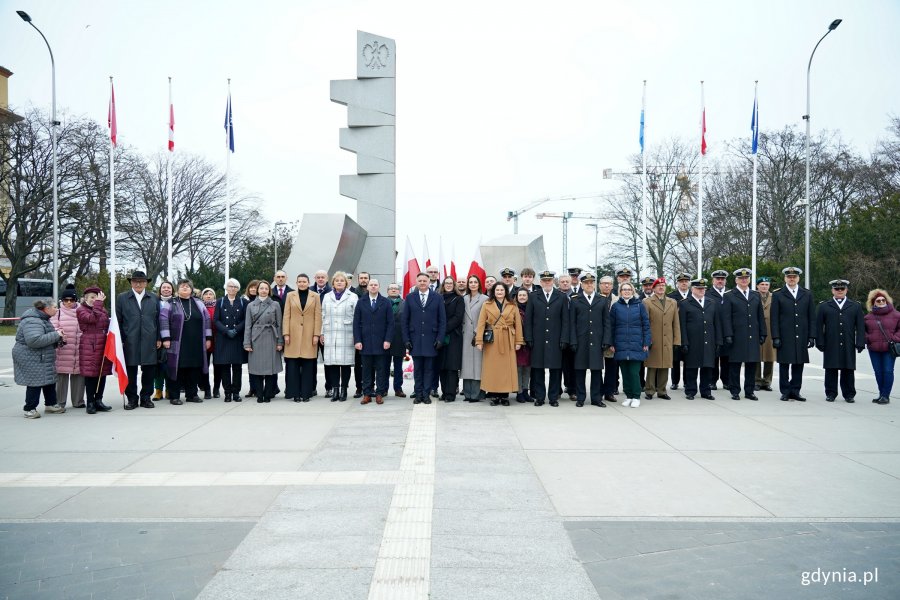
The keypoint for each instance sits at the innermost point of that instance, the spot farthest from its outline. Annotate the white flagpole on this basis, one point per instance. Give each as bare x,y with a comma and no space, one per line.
754,136
700,191
169,202
644,187
228,189
112,221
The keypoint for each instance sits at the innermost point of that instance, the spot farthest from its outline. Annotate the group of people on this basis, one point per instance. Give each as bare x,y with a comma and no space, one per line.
485,340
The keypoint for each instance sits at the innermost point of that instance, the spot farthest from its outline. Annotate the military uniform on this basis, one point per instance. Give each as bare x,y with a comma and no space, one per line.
840,335
589,335
744,330
720,371
547,332
701,336
793,322
676,354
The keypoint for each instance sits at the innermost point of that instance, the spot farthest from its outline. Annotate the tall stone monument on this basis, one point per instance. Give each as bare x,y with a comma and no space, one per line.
371,101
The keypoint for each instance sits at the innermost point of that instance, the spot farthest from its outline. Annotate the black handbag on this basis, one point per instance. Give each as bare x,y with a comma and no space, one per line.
893,347
488,337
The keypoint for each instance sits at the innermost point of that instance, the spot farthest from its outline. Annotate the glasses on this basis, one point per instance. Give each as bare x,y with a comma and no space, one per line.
68,299
880,301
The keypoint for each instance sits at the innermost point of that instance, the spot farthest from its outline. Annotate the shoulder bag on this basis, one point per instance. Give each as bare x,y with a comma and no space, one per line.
893,347
488,337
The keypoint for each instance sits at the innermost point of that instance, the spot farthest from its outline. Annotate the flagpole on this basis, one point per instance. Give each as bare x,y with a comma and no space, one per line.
112,211
169,190
643,187
700,191
754,149
228,187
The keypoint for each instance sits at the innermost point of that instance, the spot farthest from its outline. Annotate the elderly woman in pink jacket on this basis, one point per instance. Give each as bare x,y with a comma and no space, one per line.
68,374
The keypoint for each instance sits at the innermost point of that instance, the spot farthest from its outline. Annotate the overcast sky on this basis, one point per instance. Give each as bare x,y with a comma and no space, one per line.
499,103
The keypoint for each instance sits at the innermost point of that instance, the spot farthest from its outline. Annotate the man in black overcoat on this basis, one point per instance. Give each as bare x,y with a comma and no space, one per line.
717,292
793,322
701,337
840,335
744,331
589,336
138,313
681,293
547,332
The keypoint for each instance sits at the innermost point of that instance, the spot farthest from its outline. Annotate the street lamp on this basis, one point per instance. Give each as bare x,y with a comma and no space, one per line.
275,240
832,27
596,240
53,124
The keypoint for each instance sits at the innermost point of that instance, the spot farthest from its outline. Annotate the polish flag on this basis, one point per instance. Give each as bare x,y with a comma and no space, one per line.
442,266
426,257
477,266
171,119
452,268
410,268
111,117
702,122
114,354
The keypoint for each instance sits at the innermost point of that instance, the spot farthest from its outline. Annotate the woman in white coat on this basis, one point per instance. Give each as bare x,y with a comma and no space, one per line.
338,307
471,356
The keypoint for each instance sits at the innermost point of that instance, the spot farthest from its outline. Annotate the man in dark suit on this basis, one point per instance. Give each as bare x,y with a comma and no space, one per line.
138,313
373,330
682,292
360,290
840,329
547,333
793,318
424,324
701,335
717,293
744,331
280,289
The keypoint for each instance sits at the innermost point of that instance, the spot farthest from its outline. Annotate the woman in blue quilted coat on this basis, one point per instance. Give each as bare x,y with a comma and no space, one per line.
631,340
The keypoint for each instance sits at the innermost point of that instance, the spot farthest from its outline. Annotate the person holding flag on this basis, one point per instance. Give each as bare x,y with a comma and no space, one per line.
93,320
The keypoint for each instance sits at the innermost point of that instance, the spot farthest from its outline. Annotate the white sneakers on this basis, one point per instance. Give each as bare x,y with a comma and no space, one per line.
32,414
626,402
635,403
55,409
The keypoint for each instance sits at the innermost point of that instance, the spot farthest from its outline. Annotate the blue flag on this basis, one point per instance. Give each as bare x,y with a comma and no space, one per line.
754,126
642,131
229,127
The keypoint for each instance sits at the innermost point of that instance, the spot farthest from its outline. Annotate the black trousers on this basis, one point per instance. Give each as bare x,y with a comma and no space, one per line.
231,377
597,387
790,378
94,387
449,382
339,375
398,372
734,377
33,395
676,365
423,374
848,383
328,385
265,385
357,369
374,382
188,378
148,372
568,371
539,390
690,380
299,377
215,373
611,377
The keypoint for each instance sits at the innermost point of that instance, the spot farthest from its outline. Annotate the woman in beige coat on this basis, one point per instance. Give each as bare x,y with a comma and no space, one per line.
767,351
302,326
665,331
499,376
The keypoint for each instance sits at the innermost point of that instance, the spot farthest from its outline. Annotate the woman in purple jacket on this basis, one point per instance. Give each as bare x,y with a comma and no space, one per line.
882,327
186,332
93,320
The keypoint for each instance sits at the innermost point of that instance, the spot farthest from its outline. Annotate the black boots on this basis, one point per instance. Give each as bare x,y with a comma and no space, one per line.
93,405
89,406
343,397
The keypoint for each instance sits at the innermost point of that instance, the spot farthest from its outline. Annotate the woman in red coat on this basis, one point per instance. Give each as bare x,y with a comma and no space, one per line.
882,327
94,323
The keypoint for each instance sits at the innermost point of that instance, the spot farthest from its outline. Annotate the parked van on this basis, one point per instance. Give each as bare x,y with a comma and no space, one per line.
29,291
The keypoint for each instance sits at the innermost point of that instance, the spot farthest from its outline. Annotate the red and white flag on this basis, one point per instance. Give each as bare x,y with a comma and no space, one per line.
426,256
452,267
111,116
477,266
702,121
114,354
410,268
442,266
171,119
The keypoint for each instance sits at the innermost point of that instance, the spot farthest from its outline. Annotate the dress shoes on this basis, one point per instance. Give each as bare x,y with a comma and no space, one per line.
195,400
538,402
434,394
674,386
505,402
131,405
884,400
707,396
495,401
849,400
227,397
663,396
735,397
579,403
400,394
329,393
357,394
427,400
599,403
554,403
305,399
648,396
207,396
366,400
799,398
829,398
298,399
691,397
379,399
751,397
785,397
416,399
176,401
766,388
609,398
148,403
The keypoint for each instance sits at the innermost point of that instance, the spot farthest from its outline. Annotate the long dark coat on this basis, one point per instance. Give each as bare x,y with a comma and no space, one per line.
546,326
839,333
397,347
171,326
229,316
744,322
423,325
589,329
793,322
701,331
372,328
139,326
451,354
94,323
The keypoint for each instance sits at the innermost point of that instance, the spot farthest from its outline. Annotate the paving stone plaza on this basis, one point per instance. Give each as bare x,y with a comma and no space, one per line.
675,499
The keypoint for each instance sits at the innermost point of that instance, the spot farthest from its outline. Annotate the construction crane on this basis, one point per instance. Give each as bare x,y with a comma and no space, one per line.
565,216
513,215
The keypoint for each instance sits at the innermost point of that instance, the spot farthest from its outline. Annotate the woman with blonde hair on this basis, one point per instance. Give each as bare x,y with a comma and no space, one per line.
882,330
338,307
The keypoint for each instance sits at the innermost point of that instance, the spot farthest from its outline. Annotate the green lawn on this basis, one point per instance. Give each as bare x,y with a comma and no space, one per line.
7,330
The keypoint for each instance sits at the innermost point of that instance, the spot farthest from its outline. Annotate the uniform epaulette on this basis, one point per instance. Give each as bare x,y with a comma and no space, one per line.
778,290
